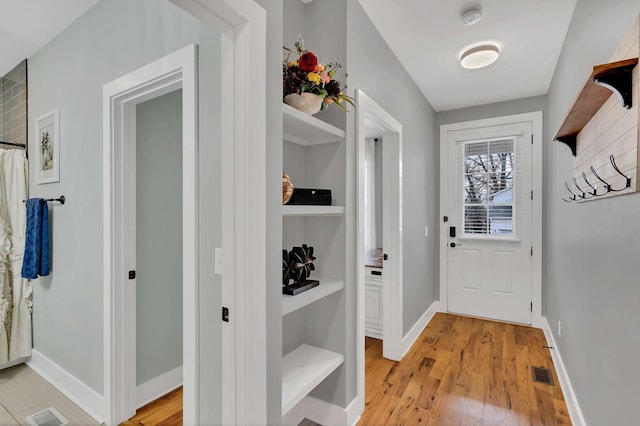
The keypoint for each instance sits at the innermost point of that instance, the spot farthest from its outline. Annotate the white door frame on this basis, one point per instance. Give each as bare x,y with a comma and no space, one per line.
536,213
242,24
369,110
120,97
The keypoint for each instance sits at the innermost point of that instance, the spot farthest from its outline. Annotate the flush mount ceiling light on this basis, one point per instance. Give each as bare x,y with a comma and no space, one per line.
479,56
471,16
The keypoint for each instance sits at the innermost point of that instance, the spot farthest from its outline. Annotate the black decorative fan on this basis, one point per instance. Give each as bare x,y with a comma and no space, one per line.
297,265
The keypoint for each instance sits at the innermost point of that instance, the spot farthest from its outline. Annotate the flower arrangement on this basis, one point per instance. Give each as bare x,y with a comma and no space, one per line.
306,75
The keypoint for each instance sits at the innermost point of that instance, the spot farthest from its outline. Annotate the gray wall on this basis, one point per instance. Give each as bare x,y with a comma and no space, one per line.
68,73
158,236
392,88
591,252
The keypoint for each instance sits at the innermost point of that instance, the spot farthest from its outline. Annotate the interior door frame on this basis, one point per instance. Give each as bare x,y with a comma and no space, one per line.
536,213
242,24
369,110
174,71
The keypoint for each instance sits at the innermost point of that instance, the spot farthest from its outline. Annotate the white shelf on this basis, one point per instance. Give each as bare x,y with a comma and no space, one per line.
302,370
304,129
326,287
312,210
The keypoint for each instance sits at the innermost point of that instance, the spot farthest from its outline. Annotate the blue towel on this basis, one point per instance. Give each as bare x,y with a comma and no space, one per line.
36,246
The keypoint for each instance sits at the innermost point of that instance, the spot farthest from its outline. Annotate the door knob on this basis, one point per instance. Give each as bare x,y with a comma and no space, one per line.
452,245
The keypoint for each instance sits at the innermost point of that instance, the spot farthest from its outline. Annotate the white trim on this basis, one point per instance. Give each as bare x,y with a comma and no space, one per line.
536,209
575,412
178,69
392,294
158,386
82,395
243,30
419,326
321,412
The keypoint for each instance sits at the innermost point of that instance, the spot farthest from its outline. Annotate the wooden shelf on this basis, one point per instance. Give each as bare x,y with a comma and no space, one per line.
302,370
305,129
617,78
290,211
326,287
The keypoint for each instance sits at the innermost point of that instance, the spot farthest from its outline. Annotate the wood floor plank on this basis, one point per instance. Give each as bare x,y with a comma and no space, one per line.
464,371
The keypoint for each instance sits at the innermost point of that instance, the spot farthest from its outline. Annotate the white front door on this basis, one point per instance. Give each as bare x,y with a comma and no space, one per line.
488,229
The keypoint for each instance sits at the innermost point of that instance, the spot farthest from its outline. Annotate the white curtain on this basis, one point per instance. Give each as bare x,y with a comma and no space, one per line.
369,197
15,292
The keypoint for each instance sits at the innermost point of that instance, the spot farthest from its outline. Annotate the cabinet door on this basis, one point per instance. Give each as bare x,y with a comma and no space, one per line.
373,303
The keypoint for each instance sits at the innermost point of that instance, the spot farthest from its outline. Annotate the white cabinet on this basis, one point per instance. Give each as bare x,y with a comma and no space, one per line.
310,352
373,302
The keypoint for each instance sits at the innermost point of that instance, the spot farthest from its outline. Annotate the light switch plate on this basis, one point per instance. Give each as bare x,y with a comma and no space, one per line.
426,231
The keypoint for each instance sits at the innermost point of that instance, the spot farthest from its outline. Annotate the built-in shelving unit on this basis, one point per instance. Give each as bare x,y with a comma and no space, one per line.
313,357
326,287
613,77
303,369
312,210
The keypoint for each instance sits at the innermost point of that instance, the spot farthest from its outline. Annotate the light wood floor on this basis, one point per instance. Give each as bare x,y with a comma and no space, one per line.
460,371
464,371
166,411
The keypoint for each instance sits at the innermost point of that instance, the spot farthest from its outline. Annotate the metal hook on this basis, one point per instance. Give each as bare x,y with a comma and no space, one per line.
573,198
595,190
606,184
583,196
627,179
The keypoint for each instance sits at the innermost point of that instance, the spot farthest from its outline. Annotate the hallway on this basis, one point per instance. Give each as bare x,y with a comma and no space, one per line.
464,370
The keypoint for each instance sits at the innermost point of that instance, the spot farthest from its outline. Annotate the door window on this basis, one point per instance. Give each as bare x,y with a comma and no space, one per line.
488,178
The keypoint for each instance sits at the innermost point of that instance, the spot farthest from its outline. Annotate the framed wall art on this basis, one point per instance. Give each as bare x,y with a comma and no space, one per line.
47,149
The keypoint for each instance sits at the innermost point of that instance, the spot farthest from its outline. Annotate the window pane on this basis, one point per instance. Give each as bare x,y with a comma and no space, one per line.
475,188
501,156
475,219
501,220
476,157
500,186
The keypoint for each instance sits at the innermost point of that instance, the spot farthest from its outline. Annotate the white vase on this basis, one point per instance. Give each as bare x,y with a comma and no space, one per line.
305,102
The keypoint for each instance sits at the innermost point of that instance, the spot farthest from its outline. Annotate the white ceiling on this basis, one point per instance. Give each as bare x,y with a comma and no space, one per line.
27,25
428,39
426,36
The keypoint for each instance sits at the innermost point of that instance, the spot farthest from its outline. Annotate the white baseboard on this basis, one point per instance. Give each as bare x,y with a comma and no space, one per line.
323,412
575,413
355,410
157,387
82,395
414,333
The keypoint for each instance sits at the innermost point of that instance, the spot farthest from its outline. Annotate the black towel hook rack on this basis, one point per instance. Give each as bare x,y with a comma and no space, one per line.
61,200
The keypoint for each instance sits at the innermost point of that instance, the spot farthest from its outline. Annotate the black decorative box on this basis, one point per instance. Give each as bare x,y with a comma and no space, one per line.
310,197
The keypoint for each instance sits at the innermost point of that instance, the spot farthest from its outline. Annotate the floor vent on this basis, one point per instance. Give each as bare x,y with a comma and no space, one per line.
542,375
48,417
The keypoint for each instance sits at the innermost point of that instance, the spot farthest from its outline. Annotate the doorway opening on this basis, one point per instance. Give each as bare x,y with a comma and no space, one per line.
379,233
158,244
174,72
